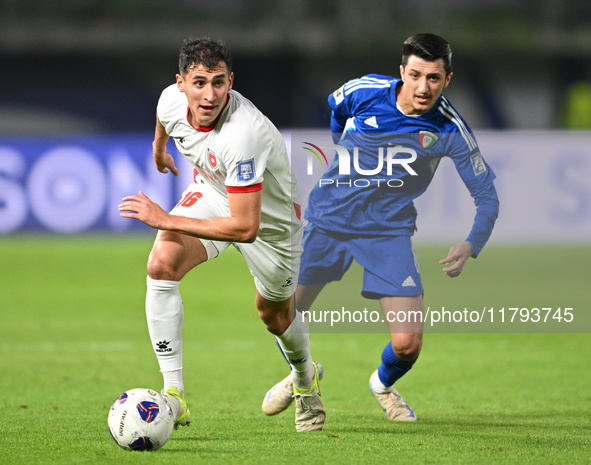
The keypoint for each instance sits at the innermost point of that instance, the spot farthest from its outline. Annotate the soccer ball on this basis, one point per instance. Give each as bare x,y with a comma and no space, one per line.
140,419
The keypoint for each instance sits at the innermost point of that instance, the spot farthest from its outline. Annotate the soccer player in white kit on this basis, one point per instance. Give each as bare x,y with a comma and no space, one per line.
244,194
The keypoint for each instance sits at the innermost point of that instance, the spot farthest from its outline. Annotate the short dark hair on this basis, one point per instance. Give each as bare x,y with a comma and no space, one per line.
203,51
429,47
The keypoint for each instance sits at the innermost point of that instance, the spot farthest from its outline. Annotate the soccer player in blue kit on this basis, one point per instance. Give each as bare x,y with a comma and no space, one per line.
371,218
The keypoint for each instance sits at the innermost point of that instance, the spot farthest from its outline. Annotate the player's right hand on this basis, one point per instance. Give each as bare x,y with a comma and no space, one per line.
165,162
142,208
457,257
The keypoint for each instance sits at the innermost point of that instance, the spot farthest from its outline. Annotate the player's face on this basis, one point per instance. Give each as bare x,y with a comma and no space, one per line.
423,82
206,91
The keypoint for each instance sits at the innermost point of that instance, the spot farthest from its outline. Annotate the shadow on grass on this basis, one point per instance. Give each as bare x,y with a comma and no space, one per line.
535,420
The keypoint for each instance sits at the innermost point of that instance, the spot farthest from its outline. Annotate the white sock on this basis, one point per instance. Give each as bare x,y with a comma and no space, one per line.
164,312
174,378
295,344
377,386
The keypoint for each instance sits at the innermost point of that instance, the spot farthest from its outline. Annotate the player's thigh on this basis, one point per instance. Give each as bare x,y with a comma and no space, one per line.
404,315
274,265
306,294
174,254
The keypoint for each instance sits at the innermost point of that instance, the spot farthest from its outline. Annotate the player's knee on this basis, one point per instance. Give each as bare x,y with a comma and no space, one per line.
275,320
275,324
407,347
276,315
159,268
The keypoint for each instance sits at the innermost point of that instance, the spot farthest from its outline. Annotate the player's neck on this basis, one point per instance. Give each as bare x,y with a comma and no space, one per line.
400,104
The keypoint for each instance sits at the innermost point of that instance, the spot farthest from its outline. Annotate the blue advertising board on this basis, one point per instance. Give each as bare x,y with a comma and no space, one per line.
74,184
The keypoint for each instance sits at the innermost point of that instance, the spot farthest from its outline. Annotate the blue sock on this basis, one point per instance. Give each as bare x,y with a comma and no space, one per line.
392,368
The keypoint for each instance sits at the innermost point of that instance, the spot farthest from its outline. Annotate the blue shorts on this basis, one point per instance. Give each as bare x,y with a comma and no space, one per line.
389,262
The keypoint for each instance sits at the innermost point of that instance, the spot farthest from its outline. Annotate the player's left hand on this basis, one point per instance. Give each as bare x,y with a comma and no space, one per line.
142,208
457,257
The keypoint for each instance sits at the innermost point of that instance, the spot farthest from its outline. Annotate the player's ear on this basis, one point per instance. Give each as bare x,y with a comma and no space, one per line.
447,79
231,80
402,73
180,83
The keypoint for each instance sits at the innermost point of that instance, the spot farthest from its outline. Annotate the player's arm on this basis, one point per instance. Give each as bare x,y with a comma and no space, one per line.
339,114
478,178
486,201
487,211
241,226
162,159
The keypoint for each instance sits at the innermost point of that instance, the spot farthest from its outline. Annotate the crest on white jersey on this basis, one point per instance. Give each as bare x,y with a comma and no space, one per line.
213,161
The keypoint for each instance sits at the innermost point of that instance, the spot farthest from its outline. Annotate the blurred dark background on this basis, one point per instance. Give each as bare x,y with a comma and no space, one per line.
72,66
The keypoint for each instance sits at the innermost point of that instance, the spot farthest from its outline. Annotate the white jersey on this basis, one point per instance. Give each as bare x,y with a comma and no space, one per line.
243,152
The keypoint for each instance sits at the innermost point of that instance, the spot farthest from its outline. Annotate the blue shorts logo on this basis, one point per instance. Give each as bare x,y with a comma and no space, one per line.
246,171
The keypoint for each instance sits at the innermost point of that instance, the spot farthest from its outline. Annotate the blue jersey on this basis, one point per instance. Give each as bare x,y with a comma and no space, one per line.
392,160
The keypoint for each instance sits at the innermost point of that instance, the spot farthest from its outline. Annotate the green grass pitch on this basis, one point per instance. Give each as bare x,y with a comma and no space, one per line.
73,337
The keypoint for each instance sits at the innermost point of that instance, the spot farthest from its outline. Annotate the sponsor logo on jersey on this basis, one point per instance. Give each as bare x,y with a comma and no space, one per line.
477,163
213,161
371,121
180,141
427,139
246,171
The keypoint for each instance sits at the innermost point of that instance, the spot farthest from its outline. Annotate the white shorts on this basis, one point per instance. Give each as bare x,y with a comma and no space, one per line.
274,263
